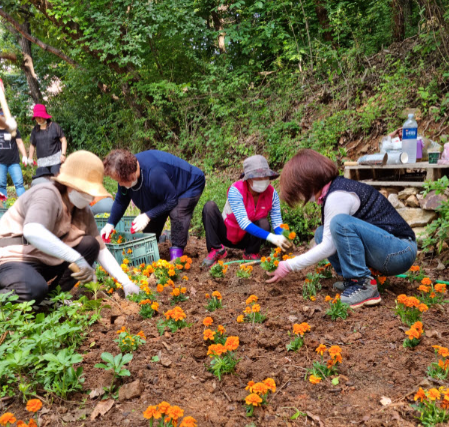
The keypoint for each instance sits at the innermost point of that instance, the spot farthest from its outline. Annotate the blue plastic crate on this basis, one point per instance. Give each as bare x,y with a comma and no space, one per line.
143,246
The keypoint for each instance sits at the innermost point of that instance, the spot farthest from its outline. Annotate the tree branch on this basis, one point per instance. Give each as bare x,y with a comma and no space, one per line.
35,40
8,56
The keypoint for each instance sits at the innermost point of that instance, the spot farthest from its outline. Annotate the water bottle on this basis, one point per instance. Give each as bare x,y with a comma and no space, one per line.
410,138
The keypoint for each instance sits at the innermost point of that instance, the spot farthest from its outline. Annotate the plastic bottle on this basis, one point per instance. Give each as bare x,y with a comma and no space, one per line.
410,137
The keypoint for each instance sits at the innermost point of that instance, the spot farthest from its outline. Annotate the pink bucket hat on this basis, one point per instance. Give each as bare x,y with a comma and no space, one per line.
39,110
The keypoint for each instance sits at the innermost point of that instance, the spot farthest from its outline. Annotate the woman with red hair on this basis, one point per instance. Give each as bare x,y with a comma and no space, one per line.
361,229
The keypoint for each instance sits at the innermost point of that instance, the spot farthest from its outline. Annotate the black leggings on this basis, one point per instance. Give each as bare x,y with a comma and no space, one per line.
29,280
216,231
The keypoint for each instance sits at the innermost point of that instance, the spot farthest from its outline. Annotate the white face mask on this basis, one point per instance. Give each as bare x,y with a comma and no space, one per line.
80,200
260,186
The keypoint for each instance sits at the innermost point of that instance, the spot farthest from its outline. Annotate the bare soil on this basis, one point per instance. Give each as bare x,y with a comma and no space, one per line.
375,364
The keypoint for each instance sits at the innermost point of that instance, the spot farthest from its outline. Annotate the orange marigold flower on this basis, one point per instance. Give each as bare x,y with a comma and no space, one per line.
412,333
6,418
251,299
276,263
263,259
440,288
334,350
421,395
178,314
221,263
183,290
412,302
232,343
142,335
207,296
240,319
217,295
155,306
34,405
221,329
170,283
20,423
185,278
187,267
433,394
382,279
175,413
321,349
301,329
123,329
269,382
426,281
414,268
160,288
171,273
401,299
424,288
178,266
32,423
208,321
253,399
285,227
328,298
163,407
256,308
175,292
250,385
247,310
183,258
312,298
259,388
188,422
418,326
292,235
314,379
422,307
152,412
208,335
216,350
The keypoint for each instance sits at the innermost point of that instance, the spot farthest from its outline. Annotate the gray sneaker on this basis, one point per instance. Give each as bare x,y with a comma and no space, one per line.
363,292
341,286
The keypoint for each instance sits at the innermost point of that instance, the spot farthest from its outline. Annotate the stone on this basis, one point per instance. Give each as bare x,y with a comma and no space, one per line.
130,391
416,217
420,233
393,199
166,362
432,201
409,191
412,201
119,321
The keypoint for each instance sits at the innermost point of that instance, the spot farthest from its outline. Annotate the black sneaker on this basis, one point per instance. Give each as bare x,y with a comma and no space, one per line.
363,292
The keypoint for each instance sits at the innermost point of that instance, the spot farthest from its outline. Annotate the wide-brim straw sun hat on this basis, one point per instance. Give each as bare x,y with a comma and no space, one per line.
257,167
83,171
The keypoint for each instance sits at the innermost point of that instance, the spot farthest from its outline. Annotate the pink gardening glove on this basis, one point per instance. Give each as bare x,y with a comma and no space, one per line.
282,271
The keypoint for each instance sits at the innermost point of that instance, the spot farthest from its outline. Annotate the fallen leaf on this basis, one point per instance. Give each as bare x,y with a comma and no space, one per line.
192,291
385,401
315,418
96,392
432,333
102,408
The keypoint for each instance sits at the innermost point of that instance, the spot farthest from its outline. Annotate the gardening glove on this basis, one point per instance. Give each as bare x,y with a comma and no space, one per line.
106,232
130,288
24,160
139,223
282,271
86,273
280,241
11,124
30,161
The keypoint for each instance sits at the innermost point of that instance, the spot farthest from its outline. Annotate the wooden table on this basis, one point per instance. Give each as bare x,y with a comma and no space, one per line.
403,175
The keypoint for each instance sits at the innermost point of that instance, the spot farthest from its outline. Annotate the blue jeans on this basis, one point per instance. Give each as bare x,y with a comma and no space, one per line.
361,245
15,172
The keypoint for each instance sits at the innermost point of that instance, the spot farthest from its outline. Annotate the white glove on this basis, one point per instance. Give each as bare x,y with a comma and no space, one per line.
11,124
30,161
86,273
24,160
140,222
280,241
106,231
130,288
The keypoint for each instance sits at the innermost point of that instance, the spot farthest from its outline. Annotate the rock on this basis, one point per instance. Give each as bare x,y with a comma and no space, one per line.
119,321
269,343
199,353
420,233
393,199
130,391
417,217
432,201
409,191
165,361
412,201
292,319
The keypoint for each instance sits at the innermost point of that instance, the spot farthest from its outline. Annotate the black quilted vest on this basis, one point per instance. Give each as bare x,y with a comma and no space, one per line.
374,208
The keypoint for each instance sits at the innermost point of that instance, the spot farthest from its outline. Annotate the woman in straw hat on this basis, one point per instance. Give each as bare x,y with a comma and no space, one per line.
51,227
244,221
48,139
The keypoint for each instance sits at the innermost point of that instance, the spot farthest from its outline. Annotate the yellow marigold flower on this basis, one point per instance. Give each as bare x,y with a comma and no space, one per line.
188,422
152,412
314,379
260,388
6,418
208,335
232,343
321,349
421,395
414,268
328,298
183,290
160,288
240,319
217,295
249,386
253,399
185,278
129,251
263,259
221,329
269,382
312,298
208,321
155,306
126,261
433,394
175,292
171,273
256,308
251,299
247,310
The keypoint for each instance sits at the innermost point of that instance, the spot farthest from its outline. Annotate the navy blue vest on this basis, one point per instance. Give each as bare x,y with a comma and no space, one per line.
374,208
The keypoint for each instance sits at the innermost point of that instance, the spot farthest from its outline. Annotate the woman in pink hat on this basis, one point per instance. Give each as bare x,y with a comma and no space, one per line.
48,139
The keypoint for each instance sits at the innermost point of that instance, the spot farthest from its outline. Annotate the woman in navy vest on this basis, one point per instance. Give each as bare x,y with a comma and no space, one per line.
244,221
361,229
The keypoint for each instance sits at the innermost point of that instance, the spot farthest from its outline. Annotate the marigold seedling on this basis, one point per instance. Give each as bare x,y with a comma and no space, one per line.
337,309
258,394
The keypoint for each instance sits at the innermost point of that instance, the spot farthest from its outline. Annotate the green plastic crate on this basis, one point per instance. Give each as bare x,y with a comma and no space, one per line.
143,245
124,225
2,212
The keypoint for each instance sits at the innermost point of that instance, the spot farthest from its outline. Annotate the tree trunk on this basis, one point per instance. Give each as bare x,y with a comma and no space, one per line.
398,11
219,24
28,67
323,18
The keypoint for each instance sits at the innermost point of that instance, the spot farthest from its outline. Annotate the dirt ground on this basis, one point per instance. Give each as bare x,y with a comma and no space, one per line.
375,364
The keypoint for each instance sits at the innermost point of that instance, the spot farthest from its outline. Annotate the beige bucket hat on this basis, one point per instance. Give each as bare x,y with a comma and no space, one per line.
84,172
